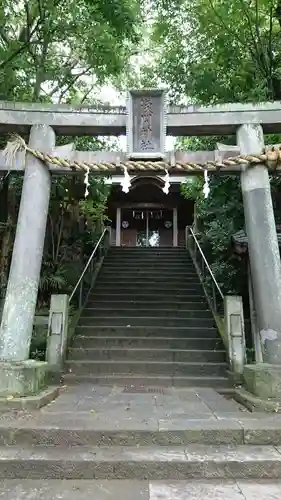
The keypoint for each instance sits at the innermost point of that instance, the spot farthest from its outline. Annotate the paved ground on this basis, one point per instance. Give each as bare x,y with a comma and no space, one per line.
138,490
155,407
157,415
116,416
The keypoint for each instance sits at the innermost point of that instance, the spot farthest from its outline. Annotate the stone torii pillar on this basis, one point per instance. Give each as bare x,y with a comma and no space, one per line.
263,244
21,295
265,264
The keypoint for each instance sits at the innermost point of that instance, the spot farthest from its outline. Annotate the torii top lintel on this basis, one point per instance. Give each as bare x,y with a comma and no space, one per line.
106,120
146,120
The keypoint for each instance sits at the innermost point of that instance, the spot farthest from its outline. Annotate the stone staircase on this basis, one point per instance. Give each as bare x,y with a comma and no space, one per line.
147,323
115,431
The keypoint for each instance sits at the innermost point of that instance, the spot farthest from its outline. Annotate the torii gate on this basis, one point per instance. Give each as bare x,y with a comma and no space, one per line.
146,121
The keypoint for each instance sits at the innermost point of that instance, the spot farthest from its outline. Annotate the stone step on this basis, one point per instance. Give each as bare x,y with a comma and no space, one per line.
104,342
168,368
148,250
185,332
162,296
140,321
158,263
151,259
148,266
181,252
193,461
148,274
52,489
149,271
218,383
149,284
156,290
167,256
145,354
161,263
103,303
136,285
112,312
88,430
149,279
114,281
167,262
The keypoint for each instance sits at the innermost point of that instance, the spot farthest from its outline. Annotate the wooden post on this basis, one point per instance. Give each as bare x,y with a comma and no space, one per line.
118,227
175,227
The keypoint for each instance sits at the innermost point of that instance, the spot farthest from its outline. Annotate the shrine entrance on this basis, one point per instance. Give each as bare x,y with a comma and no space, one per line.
147,226
145,208
146,216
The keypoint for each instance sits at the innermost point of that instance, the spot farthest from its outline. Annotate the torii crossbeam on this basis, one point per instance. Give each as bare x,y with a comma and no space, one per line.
146,121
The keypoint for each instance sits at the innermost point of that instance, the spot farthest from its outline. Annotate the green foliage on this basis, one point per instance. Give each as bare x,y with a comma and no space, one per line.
94,206
94,212
212,51
53,49
192,188
218,218
39,343
74,224
203,143
218,51
53,279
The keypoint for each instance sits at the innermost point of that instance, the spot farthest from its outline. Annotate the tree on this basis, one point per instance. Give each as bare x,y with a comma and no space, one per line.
217,51
60,51
219,217
212,51
48,48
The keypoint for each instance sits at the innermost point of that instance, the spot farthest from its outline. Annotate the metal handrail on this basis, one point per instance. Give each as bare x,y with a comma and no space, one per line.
206,262
88,263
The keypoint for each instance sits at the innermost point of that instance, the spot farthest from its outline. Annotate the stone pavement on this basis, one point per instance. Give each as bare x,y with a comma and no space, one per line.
139,490
130,416
163,441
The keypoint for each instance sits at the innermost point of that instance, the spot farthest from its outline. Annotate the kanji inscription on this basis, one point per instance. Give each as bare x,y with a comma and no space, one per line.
146,128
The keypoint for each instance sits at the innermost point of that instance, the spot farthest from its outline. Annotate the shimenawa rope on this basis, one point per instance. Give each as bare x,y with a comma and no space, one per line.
271,157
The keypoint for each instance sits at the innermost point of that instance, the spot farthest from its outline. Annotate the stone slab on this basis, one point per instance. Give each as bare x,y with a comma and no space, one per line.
255,403
101,416
216,402
24,429
215,490
74,490
195,490
262,432
194,462
24,378
260,490
263,380
182,431
30,402
138,490
94,433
